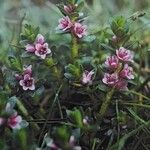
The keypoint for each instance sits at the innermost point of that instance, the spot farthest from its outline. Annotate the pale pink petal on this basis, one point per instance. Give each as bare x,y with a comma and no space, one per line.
65,23
79,30
18,119
37,53
72,140
30,48
77,148
32,87
1,121
27,76
38,46
25,88
21,82
43,56
48,51
40,39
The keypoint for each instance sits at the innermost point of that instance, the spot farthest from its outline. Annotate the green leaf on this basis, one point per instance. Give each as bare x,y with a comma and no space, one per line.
119,26
106,47
80,6
15,63
71,2
63,134
29,33
89,38
76,116
76,133
73,71
61,8
38,93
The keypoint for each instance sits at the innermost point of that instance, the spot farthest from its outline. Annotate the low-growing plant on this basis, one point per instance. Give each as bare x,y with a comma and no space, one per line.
87,93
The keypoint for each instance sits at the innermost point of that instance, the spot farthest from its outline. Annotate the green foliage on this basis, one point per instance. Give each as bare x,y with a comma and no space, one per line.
119,26
61,106
76,117
29,34
63,134
73,72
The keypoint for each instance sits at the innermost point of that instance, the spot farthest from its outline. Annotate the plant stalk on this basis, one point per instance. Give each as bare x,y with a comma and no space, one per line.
74,48
55,71
105,104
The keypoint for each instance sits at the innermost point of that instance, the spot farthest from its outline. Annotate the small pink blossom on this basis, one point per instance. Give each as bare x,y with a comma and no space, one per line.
40,39
42,50
115,38
86,120
18,77
14,121
72,143
30,48
127,72
27,70
80,30
39,47
27,82
112,62
69,8
121,85
2,120
72,140
87,77
65,23
110,79
124,54
52,145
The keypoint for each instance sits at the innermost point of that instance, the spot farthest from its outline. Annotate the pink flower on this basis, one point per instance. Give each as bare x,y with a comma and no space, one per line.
27,82
80,30
124,54
65,23
121,85
110,79
30,48
87,77
2,120
27,70
52,145
14,121
86,120
127,72
40,39
39,47
69,9
42,50
112,62
72,143
18,77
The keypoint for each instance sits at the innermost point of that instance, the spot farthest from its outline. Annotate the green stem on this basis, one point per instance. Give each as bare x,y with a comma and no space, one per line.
55,71
105,104
94,144
75,47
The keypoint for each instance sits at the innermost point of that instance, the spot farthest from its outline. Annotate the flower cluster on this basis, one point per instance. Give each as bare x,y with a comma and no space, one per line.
119,70
68,24
39,47
26,80
13,120
87,77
